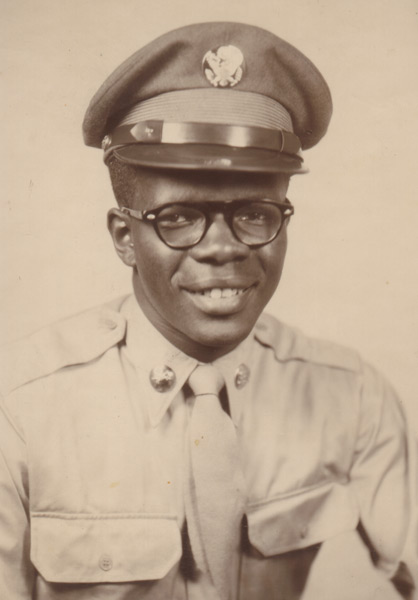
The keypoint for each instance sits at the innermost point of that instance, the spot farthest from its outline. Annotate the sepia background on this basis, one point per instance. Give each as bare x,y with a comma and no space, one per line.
351,274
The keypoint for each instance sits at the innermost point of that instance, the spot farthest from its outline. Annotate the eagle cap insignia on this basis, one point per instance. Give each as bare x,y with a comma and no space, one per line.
223,66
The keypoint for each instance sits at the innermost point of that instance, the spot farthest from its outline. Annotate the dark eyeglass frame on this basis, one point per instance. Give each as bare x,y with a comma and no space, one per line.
227,208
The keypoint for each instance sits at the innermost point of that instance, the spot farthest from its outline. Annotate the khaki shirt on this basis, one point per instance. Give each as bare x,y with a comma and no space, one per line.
92,473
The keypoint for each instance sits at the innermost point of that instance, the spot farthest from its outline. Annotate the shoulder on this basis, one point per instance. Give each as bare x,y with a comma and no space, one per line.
329,375
328,368
71,341
290,344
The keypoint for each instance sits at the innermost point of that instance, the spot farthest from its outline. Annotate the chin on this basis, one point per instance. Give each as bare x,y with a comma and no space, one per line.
222,335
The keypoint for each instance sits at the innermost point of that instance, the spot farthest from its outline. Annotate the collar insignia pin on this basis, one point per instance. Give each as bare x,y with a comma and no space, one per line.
242,376
162,379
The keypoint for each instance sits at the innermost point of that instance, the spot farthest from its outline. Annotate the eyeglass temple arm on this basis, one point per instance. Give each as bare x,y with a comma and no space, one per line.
137,214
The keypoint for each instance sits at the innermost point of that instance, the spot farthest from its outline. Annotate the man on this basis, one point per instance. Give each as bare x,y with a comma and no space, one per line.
178,443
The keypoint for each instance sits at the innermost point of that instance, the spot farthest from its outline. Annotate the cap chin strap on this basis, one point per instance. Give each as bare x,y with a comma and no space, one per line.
237,136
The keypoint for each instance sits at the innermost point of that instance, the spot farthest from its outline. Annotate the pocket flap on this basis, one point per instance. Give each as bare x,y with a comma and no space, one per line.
104,548
300,520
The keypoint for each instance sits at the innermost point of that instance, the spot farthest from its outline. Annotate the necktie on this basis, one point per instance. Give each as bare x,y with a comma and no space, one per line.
217,485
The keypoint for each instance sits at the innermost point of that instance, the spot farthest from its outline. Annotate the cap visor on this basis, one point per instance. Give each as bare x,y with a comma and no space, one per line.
209,158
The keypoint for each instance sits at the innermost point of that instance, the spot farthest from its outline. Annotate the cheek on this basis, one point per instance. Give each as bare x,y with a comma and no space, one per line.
155,263
273,257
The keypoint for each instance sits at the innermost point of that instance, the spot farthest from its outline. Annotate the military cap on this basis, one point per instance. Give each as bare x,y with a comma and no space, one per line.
213,96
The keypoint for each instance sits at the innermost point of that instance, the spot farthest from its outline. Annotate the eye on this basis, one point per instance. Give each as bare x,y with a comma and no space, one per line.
172,218
178,216
255,214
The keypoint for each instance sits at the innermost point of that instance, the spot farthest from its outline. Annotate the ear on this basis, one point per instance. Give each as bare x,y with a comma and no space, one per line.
119,226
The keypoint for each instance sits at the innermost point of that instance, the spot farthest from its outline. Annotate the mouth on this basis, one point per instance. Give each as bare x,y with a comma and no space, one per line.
218,293
220,300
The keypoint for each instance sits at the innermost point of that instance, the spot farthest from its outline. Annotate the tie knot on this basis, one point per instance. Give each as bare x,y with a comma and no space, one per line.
206,379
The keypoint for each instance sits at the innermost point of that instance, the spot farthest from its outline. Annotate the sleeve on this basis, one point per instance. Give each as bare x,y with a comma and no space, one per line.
380,473
16,570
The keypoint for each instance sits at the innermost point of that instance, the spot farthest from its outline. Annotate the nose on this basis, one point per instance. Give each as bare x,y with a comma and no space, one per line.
219,245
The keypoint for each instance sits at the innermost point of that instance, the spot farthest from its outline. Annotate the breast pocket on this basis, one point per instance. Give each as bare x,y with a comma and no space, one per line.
68,548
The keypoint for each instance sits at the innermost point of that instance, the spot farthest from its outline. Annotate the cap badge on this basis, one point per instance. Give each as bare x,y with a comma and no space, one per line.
223,66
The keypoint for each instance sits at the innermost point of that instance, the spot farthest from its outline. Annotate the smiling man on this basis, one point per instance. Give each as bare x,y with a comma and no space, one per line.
217,242
178,443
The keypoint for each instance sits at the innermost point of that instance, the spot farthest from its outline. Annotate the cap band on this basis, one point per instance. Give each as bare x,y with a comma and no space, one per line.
206,117
210,105
160,132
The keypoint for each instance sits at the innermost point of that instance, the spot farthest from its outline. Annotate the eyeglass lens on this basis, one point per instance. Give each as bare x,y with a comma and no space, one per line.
253,223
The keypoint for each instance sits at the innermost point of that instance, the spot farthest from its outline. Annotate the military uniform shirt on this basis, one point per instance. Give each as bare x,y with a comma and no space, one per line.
92,476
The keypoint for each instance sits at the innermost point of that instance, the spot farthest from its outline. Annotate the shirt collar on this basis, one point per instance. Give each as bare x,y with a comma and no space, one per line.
233,366
148,350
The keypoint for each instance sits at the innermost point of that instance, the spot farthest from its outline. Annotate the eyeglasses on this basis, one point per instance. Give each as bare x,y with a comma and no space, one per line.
182,225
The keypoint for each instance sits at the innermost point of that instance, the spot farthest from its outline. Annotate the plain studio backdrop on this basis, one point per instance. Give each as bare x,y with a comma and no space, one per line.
351,274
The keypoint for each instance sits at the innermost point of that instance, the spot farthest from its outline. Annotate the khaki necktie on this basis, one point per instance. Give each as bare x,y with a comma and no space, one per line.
216,482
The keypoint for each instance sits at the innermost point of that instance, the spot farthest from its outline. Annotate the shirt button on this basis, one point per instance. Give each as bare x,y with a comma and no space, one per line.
105,562
109,323
303,531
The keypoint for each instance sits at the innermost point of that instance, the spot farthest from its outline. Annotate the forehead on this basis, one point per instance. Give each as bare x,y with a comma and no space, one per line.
154,186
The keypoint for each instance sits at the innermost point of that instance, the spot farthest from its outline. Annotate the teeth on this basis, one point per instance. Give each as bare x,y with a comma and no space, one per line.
217,293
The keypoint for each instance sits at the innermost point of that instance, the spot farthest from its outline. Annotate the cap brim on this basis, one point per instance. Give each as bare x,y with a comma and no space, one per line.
209,158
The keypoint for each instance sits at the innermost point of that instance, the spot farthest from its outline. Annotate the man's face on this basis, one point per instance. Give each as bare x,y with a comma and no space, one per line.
207,298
